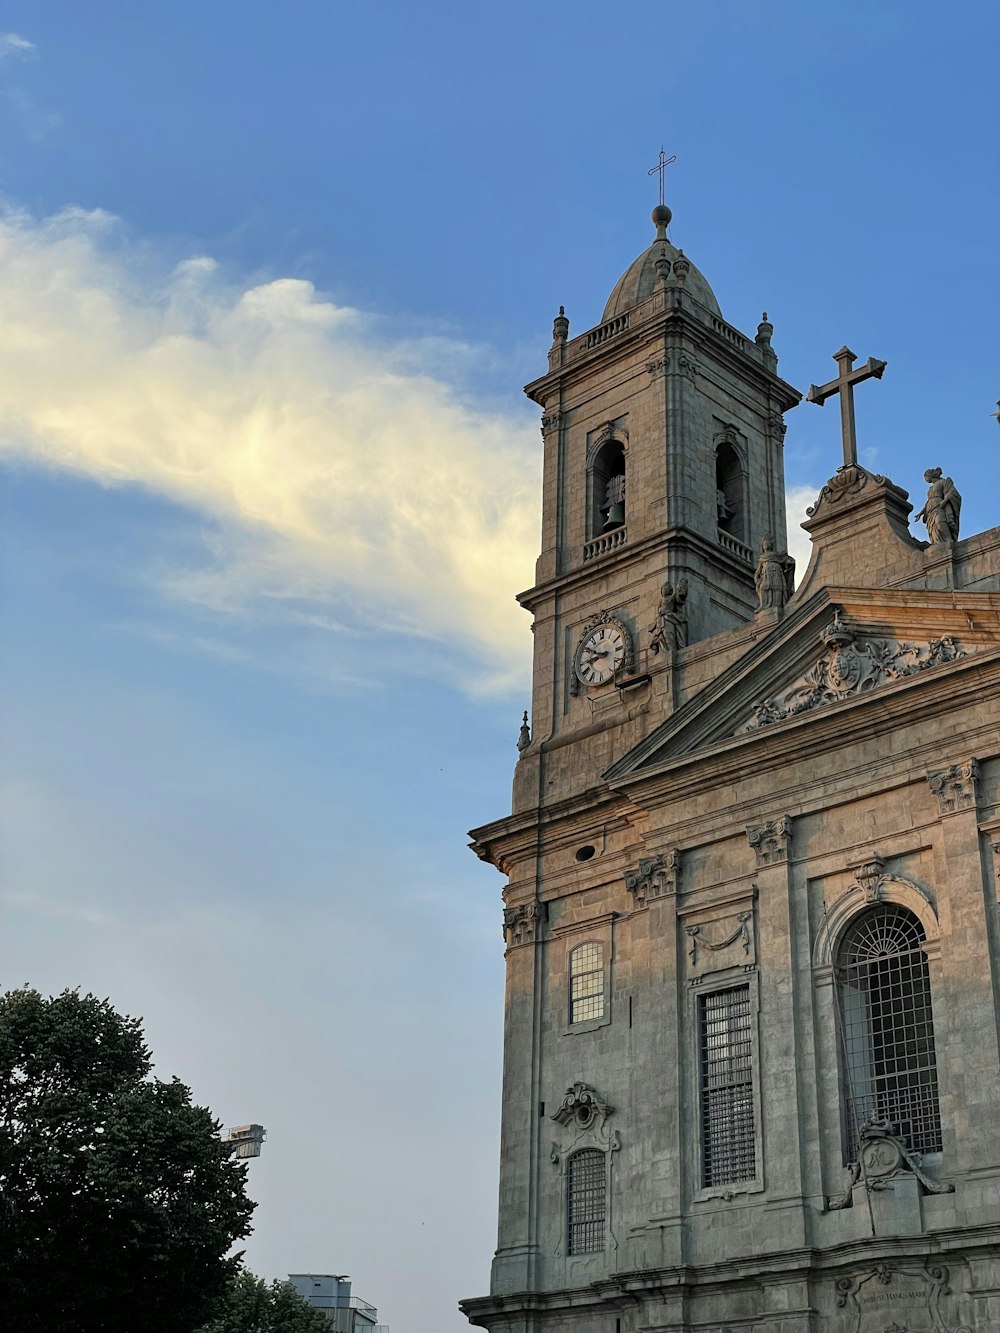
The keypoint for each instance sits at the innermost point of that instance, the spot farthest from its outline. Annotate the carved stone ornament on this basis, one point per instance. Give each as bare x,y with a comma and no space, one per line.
898,1298
777,426
524,735
551,421
655,877
596,441
955,787
850,666
522,924
728,435
770,841
582,1118
585,1113
581,1106
882,1156
688,367
847,481
871,878
739,942
659,366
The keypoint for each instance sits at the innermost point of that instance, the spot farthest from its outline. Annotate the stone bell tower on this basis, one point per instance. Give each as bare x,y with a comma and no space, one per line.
663,466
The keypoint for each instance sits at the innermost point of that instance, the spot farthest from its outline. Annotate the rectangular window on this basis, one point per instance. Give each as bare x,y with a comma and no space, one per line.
586,976
727,1101
585,1199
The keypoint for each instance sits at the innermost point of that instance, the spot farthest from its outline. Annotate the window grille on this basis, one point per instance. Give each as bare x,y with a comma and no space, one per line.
727,1112
585,1198
884,995
586,982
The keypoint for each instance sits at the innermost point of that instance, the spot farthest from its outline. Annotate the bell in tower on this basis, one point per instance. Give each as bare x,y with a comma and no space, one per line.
663,438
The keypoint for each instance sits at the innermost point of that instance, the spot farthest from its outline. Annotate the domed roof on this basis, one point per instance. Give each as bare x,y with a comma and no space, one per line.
639,279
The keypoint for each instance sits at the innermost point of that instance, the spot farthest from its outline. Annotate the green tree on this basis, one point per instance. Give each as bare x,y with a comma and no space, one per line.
118,1200
252,1305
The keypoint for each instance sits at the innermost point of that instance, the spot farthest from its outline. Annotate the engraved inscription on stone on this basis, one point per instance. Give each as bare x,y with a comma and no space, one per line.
896,1298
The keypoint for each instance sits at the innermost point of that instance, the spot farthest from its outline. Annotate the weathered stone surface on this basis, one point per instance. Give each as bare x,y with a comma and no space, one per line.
711,843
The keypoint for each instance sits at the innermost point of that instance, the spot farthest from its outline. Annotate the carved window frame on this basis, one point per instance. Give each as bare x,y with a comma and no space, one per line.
564,941
581,1124
579,956
698,990
884,994
875,884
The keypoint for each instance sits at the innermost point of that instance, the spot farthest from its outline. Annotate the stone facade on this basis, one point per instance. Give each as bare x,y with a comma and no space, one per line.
715,819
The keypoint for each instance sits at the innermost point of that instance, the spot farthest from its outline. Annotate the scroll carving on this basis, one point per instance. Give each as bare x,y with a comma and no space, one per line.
884,1298
655,877
881,1157
522,924
849,667
771,841
955,787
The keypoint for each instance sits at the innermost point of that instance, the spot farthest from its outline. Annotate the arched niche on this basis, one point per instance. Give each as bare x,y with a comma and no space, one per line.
606,484
731,486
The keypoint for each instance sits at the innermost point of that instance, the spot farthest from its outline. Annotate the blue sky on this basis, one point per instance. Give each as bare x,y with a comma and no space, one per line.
270,281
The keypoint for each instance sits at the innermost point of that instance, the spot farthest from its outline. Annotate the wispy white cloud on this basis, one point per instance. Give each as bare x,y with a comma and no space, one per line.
349,485
13,45
344,475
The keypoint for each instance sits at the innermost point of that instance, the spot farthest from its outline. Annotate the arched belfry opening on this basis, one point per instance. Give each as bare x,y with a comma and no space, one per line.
730,490
607,488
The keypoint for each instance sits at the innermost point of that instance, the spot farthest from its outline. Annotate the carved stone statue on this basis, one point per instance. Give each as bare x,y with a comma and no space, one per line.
669,631
941,508
773,579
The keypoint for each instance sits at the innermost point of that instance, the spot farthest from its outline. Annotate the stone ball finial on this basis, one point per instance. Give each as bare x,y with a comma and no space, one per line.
764,330
560,326
661,216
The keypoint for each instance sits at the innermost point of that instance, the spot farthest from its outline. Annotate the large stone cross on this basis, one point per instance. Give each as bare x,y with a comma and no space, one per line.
844,385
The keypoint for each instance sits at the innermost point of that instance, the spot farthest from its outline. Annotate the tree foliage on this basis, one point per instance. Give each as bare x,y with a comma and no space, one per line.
118,1200
254,1306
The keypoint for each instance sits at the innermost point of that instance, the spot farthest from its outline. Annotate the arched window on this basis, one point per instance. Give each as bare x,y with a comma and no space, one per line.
730,476
586,1188
586,982
607,488
884,997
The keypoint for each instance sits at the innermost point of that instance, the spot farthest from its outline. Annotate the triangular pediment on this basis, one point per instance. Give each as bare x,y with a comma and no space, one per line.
838,648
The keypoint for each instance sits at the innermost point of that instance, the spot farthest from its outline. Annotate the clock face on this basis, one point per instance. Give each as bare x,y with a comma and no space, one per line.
600,654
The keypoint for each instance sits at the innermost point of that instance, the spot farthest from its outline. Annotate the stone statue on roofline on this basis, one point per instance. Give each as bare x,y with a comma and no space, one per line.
941,508
774,577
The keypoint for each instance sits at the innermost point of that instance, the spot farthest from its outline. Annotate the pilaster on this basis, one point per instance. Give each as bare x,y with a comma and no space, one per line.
772,843
964,1013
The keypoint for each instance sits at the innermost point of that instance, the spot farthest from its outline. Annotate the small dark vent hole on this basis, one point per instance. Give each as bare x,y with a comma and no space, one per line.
585,853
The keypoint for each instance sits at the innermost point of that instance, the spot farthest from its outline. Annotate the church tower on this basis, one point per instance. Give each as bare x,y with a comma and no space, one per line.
663,436
752,905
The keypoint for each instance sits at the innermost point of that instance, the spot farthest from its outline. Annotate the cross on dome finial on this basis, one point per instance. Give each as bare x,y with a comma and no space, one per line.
661,213
660,168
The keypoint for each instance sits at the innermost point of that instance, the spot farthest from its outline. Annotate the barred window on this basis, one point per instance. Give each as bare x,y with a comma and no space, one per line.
586,982
727,1110
887,1030
585,1199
